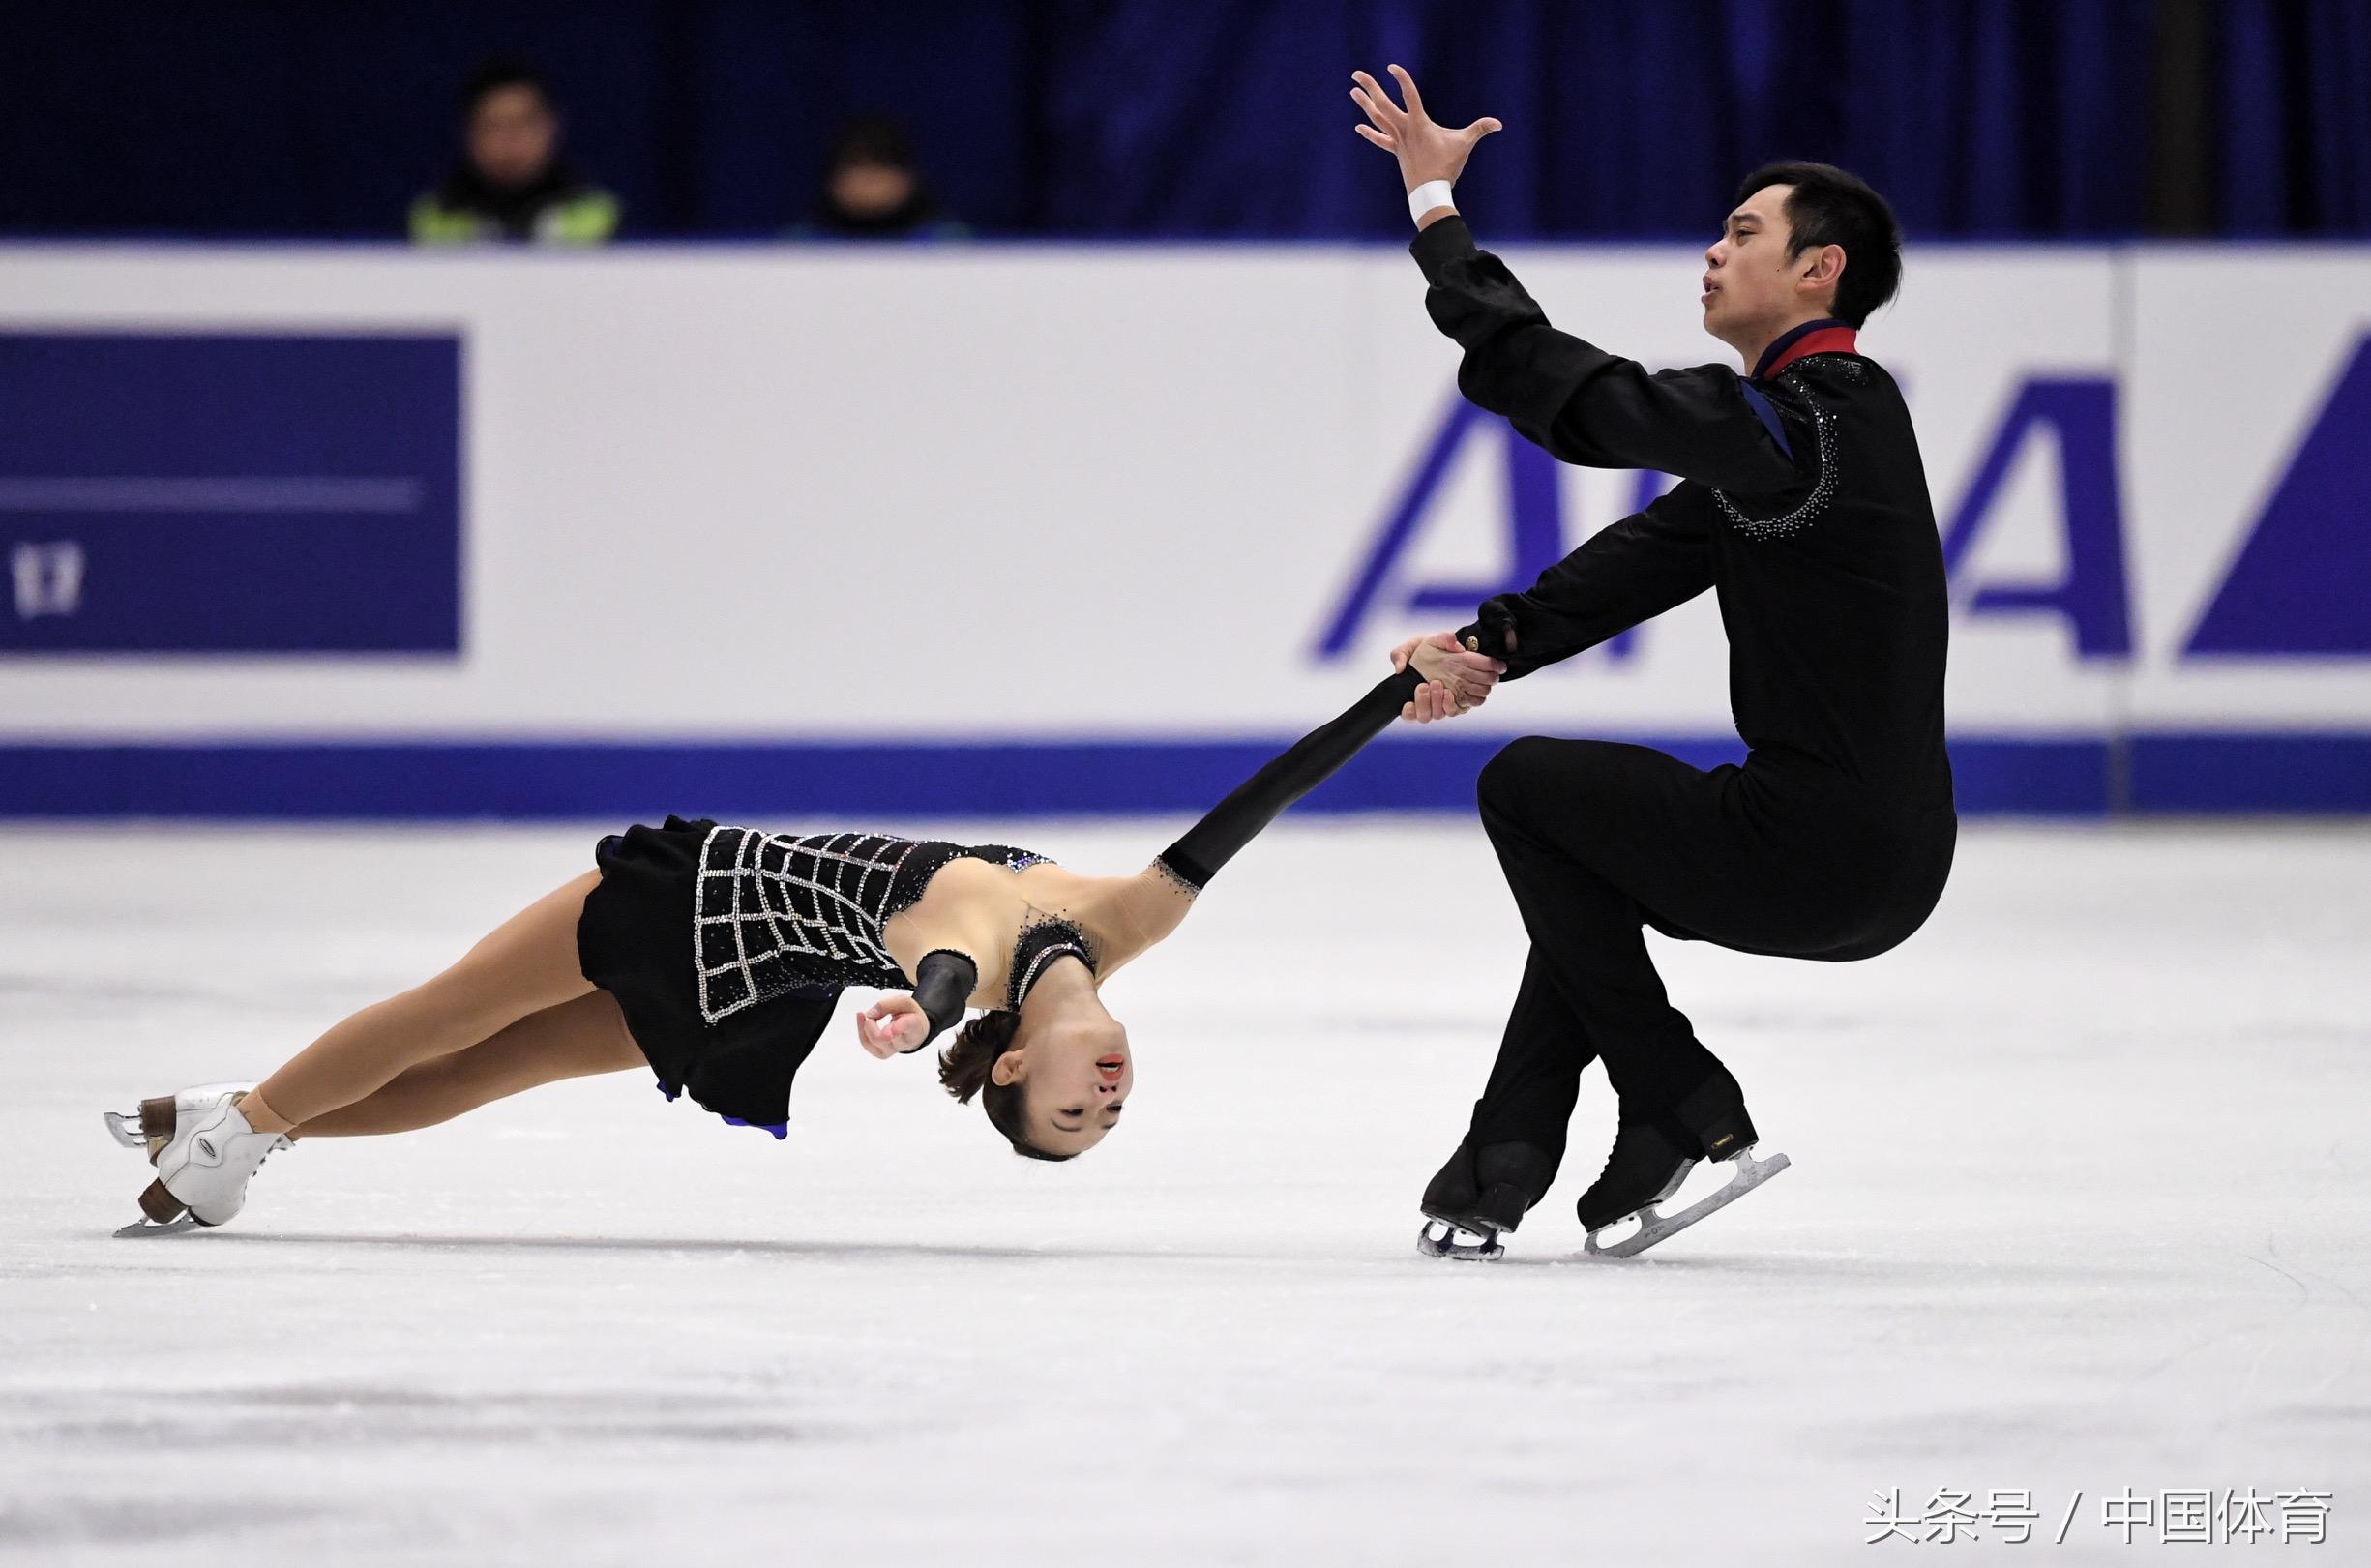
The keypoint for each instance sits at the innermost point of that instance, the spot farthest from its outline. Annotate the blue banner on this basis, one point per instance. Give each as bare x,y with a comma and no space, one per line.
199,493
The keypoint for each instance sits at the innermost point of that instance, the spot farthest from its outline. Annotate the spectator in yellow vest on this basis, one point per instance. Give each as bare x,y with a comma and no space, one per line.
511,182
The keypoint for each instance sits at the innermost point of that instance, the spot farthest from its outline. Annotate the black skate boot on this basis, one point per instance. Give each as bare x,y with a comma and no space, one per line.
1479,1195
1652,1156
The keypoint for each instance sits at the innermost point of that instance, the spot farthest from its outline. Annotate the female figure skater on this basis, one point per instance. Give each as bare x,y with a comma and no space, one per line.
716,955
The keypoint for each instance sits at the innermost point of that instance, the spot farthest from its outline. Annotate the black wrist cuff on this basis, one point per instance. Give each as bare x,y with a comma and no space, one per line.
943,983
1487,632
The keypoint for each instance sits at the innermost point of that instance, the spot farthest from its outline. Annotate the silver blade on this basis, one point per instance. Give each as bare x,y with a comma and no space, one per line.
140,1229
1655,1227
125,1127
1441,1239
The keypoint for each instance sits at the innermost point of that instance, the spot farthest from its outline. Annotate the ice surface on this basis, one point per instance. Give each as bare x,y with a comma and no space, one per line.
2079,1203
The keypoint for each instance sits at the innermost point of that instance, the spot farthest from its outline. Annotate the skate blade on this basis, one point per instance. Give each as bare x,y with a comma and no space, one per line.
148,1128
143,1228
1655,1227
1441,1239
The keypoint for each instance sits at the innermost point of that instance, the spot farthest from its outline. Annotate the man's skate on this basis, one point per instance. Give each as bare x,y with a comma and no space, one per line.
1652,1158
204,1152
1479,1195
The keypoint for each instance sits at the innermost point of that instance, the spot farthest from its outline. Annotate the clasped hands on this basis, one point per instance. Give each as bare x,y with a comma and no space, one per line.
1457,679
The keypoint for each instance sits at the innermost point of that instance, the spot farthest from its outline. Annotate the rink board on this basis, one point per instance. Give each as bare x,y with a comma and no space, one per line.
1020,528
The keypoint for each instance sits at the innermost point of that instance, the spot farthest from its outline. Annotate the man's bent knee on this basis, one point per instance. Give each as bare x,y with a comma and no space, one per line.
1507,775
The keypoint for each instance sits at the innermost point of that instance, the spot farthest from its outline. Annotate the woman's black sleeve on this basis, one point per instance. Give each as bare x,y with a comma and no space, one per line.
943,982
1261,798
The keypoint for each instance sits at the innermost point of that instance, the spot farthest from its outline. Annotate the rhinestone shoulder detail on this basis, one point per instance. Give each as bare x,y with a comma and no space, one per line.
1822,490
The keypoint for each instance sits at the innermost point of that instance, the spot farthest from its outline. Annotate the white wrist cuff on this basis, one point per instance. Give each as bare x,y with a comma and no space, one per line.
1425,197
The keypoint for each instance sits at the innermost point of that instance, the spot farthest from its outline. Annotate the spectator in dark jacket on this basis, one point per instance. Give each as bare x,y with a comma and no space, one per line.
874,190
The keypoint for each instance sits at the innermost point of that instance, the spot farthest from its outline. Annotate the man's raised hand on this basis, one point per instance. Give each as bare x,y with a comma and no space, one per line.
1426,151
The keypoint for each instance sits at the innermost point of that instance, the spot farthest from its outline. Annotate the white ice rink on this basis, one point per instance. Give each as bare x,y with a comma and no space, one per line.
2079,1204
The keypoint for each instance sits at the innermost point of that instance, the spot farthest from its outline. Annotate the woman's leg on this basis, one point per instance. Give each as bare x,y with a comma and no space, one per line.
528,964
576,1039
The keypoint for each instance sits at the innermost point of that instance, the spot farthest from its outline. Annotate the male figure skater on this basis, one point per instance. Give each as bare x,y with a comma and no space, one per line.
1803,504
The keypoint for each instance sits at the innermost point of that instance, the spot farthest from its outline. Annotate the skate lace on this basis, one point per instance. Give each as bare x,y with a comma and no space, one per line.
1607,1170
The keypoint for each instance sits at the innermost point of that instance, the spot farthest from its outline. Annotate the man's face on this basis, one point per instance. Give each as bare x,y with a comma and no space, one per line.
1749,280
512,135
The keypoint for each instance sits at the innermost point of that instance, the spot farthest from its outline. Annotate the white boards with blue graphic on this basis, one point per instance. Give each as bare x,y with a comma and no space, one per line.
1081,529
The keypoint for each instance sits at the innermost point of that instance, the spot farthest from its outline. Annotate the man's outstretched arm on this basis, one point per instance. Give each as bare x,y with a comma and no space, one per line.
1631,571
1572,398
1580,402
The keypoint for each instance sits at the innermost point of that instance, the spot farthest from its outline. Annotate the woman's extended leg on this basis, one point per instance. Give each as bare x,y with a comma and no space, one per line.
576,1039
528,964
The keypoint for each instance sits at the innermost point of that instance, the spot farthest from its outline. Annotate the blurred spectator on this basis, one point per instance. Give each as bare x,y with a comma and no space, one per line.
872,188
511,182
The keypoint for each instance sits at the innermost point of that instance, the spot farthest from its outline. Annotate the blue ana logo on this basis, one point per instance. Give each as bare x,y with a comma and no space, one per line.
2095,595
2300,585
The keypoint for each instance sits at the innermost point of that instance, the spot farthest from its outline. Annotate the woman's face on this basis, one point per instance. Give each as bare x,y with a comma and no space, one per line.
1075,1075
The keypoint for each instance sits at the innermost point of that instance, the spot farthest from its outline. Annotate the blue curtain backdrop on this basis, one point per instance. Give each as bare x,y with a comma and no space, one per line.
1221,118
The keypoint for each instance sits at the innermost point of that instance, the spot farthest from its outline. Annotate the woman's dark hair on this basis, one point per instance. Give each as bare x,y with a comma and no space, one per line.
963,1070
1829,206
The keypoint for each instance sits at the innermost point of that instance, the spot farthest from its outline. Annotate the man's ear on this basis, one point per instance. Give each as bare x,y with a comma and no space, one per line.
1009,1069
1826,269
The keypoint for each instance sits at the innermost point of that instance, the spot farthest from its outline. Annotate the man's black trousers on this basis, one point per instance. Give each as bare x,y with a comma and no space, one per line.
1599,840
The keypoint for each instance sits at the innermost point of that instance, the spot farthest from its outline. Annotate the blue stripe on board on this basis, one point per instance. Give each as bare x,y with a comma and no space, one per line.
2251,773
630,781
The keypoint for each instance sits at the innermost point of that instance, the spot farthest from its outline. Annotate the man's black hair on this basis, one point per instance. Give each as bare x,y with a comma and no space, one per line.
1829,206
502,70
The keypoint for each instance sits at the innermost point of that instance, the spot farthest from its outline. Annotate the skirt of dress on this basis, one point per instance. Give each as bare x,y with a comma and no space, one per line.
634,942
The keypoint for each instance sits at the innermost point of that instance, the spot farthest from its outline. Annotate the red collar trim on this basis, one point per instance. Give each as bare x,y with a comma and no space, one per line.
1824,341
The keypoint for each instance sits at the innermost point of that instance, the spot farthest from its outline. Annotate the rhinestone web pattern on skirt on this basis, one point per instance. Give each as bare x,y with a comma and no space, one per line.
776,914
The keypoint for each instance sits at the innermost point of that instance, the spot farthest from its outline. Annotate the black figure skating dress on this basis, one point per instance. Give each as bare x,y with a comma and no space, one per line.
727,948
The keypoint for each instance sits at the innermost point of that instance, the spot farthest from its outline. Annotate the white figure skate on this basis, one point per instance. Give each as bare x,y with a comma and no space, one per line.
204,1163
151,1127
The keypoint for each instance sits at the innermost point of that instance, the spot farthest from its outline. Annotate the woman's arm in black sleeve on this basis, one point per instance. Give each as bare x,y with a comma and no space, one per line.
943,982
1261,799
1581,403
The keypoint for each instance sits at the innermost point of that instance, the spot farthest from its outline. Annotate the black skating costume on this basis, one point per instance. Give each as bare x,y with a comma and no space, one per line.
1802,503
727,948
